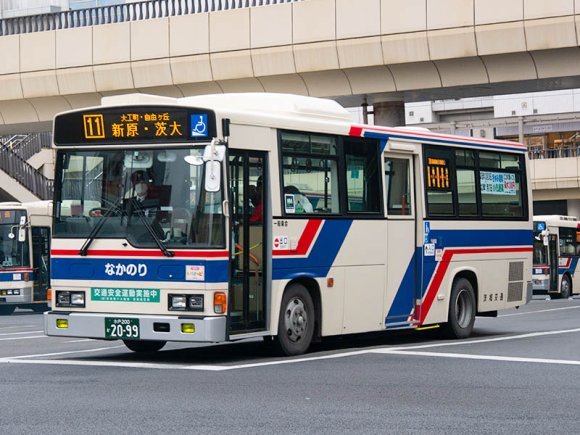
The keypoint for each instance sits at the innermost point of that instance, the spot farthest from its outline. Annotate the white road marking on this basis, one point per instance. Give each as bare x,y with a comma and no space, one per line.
534,312
489,340
479,357
403,350
20,333
98,349
22,338
79,341
17,326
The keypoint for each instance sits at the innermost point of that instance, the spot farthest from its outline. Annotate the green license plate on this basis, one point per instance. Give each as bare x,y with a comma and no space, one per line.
121,328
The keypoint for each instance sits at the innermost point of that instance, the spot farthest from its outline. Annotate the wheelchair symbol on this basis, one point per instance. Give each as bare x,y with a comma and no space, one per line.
198,125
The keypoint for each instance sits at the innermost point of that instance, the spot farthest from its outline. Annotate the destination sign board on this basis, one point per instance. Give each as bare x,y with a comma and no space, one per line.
437,173
134,124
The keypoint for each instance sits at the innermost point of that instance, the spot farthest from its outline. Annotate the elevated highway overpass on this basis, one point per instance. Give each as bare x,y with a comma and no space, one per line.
380,52
352,50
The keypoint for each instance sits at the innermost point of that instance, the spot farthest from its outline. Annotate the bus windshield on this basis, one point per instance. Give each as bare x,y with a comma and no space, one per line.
139,195
13,253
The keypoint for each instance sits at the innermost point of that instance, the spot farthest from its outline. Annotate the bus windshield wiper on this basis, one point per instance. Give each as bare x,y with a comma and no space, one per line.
158,241
97,228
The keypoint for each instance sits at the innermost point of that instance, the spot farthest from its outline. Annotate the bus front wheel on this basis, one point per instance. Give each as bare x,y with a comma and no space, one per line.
145,346
565,287
461,310
296,322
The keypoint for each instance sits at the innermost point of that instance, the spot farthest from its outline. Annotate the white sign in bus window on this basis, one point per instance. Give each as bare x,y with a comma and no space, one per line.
498,183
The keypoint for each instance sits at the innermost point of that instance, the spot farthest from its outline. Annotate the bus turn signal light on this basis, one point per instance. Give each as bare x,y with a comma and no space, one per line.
219,303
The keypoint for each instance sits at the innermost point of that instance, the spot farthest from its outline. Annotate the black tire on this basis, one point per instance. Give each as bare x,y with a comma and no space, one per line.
6,310
462,310
565,287
296,322
144,346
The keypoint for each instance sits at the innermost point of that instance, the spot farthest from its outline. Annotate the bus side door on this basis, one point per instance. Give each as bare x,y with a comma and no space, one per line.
248,195
41,262
554,262
401,240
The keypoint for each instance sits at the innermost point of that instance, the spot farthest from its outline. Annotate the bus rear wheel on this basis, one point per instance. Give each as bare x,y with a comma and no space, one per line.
461,310
6,310
144,346
296,322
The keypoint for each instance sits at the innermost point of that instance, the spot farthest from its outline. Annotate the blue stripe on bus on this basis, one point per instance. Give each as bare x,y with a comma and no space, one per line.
571,269
321,258
117,269
405,298
481,238
377,135
404,301
10,276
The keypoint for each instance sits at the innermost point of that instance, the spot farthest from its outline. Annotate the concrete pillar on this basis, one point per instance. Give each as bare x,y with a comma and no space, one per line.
574,207
389,113
521,129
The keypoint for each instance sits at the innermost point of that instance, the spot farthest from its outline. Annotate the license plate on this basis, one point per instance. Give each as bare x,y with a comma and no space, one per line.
121,328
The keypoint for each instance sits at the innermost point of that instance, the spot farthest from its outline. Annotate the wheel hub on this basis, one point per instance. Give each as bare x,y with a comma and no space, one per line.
296,320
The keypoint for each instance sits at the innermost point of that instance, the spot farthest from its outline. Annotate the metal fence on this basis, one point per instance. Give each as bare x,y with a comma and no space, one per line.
143,10
21,171
26,145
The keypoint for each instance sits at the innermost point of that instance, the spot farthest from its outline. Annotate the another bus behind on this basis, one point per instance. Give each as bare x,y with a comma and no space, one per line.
556,254
25,231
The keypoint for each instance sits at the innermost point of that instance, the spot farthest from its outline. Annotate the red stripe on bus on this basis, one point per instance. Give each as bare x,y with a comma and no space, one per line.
8,270
305,242
121,254
355,131
442,269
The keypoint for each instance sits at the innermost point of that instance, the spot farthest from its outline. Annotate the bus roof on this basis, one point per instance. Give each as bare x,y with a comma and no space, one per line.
555,217
299,112
557,220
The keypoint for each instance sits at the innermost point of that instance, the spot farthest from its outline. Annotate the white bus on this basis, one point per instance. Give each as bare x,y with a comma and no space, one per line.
273,216
24,255
556,254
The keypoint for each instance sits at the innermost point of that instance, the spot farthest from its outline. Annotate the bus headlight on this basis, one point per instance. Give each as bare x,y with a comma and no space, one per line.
185,302
195,303
70,299
177,302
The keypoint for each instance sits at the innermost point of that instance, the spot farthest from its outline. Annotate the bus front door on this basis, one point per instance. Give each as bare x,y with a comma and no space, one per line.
553,261
248,190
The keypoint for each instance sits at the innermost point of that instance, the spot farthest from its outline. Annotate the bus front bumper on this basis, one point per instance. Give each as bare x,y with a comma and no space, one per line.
541,285
151,327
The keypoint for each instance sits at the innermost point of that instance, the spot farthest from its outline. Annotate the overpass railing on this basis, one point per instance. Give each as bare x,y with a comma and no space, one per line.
26,145
143,10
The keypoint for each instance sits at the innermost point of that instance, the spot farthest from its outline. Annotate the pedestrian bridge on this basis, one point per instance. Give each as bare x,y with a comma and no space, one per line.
355,51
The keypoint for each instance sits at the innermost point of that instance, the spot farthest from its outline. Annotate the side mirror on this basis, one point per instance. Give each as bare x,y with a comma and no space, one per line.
22,234
212,176
545,237
214,151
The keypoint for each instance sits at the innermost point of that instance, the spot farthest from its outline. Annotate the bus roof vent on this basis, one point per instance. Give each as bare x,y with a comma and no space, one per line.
128,99
265,102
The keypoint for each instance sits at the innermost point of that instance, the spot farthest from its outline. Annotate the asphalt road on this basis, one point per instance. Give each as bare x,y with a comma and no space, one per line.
519,373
